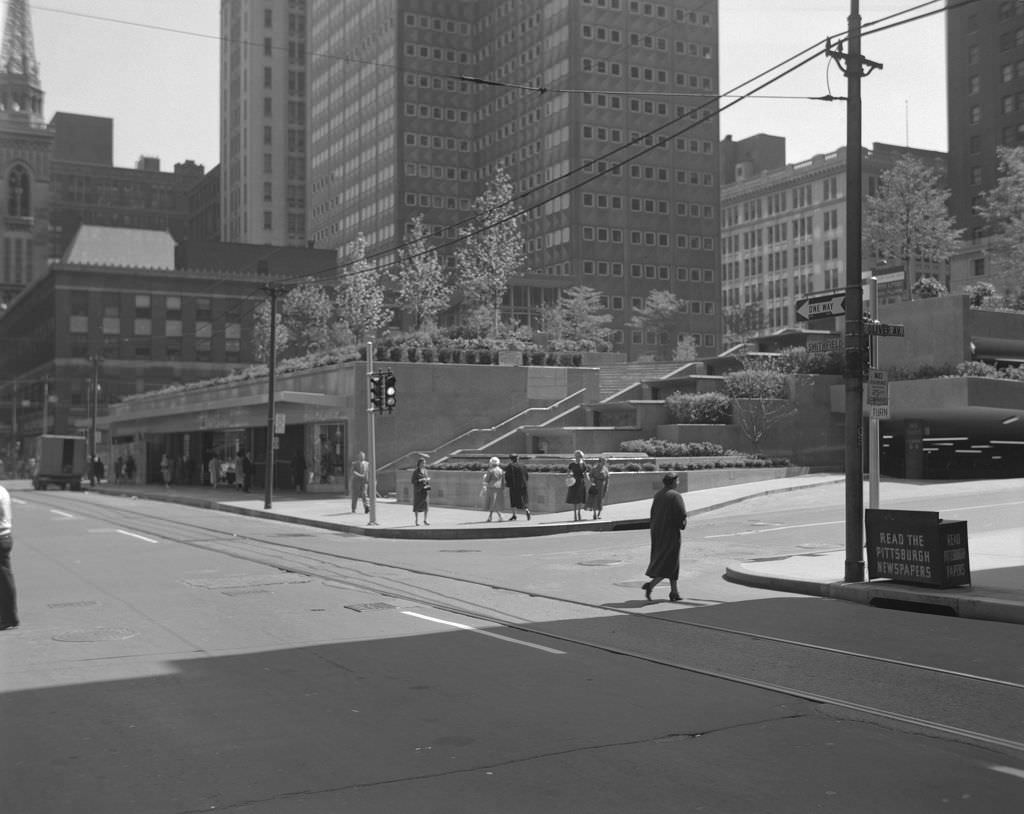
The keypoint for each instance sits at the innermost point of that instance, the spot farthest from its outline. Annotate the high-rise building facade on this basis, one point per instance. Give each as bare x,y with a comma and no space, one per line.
985,99
263,122
26,148
600,111
784,232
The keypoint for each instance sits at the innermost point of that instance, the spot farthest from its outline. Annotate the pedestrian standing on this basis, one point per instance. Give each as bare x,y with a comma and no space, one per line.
129,469
598,488
165,470
420,491
8,597
214,467
494,480
247,471
576,484
357,485
516,477
668,519
118,469
239,468
299,471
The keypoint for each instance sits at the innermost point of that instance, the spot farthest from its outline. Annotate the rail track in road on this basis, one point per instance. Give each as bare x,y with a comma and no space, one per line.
393,582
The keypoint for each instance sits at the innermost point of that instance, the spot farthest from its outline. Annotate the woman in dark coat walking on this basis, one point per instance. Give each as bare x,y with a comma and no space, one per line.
516,477
668,519
576,491
599,473
420,492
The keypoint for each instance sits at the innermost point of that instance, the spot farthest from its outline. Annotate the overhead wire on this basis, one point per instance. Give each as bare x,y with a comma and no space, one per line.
338,270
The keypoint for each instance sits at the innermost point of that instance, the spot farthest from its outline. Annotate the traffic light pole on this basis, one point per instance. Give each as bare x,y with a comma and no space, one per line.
371,438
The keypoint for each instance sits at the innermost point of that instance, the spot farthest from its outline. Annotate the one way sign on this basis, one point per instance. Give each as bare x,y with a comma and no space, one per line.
824,305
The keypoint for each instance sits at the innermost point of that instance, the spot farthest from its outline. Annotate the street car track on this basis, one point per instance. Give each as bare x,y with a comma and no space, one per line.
338,569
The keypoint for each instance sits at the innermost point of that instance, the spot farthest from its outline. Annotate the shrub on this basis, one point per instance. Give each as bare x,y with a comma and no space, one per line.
427,355
755,384
978,369
699,408
659,448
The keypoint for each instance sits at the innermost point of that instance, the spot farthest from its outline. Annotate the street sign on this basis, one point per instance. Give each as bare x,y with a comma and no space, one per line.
879,411
882,329
832,344
878,388
824,305
279,424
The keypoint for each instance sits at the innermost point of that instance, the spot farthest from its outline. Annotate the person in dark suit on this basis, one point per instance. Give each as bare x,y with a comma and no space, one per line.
576,484
8,597
668,519
516,477
420,491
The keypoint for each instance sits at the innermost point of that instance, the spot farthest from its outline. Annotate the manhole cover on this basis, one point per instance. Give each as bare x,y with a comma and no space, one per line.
87,603
371,606
98,634
600,562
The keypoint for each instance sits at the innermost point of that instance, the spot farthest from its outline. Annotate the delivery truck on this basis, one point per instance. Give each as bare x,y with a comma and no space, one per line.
60,459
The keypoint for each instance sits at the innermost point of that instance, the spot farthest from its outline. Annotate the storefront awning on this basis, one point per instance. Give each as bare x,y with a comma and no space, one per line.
997,349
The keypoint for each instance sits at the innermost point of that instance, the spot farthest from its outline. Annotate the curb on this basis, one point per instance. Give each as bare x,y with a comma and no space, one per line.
957,600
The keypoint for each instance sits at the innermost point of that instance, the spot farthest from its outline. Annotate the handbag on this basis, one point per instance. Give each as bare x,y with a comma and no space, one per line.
593,490
570,480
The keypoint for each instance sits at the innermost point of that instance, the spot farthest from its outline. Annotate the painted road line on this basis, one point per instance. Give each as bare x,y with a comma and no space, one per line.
485,633
136,536
1018,773
775,528
62,514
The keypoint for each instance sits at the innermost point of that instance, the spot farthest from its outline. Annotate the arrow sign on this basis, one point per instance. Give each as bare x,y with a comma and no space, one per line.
827,305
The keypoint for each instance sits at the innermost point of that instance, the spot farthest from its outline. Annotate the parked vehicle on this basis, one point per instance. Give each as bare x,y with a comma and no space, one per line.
60,459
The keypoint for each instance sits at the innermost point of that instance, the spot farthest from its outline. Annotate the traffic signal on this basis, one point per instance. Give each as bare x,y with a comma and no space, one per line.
376,391
390,391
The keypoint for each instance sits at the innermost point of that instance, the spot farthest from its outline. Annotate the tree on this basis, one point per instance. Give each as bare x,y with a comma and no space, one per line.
491,249
908,220
423,291
928,287
576,321
759,400
742,322
662,313
360,300
1003,209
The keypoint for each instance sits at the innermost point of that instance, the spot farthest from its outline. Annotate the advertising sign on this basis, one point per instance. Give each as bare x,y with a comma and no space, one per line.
917,547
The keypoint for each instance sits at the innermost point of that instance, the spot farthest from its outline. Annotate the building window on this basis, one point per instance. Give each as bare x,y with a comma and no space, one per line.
143,315
18,193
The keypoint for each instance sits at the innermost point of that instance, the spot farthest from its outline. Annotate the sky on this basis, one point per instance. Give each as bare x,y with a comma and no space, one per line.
153,66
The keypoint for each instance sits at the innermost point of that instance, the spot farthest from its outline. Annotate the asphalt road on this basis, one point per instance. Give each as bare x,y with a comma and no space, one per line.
176,660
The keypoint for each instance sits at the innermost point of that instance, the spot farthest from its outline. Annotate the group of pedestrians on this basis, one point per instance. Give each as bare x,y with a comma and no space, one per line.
586,487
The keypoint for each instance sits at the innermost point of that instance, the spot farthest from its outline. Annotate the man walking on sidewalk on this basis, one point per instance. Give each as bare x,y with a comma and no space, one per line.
8,599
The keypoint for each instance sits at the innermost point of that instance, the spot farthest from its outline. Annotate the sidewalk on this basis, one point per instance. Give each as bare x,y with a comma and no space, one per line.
997,563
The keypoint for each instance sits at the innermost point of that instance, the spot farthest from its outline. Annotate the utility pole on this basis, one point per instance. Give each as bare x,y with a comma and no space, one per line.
854,326
268,487
93,405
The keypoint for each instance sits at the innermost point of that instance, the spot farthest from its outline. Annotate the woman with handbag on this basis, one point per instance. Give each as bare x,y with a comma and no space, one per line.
576,484
420,491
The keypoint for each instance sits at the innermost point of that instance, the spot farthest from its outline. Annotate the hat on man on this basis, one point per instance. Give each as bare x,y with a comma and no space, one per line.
670,478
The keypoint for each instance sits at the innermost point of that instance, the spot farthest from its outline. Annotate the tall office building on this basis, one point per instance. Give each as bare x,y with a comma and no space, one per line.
263,122
26,147
985,81
985,102
414,103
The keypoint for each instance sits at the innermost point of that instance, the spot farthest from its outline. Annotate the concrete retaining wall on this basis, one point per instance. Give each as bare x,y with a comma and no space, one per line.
461,489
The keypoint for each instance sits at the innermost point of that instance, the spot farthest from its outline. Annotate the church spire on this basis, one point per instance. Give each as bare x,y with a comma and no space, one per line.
21,92
19,51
